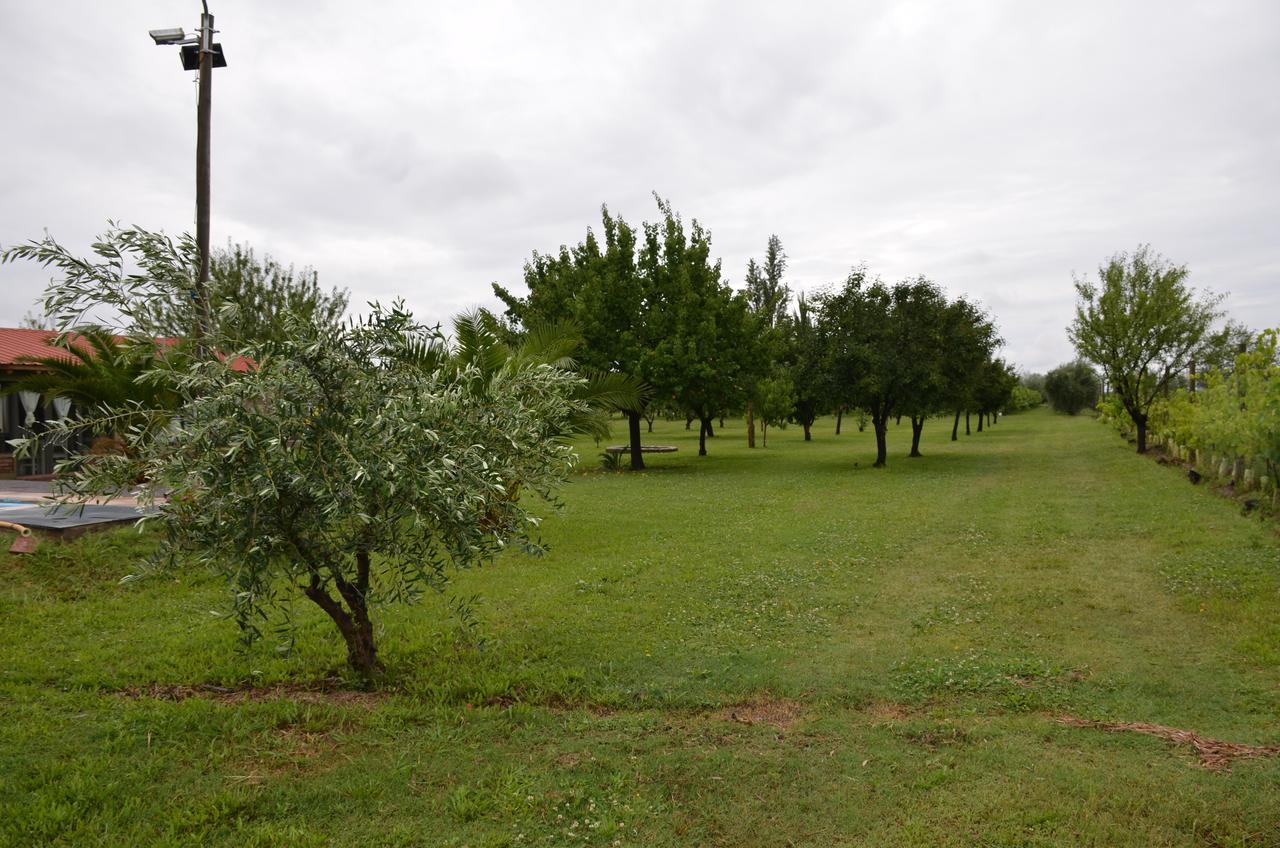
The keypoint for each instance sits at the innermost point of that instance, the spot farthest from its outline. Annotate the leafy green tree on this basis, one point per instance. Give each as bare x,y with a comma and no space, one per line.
969,341
921,317
865,370
1142,325
600,289
253,298
354,465
1023,398
706,341
805,366
768,294
654,308
1072,387
777,396
996,382
884,350
768,298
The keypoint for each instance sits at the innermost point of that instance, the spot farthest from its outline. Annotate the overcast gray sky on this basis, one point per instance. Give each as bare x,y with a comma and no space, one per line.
425,149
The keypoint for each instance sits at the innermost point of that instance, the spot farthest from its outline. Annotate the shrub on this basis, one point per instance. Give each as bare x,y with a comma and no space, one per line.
1072,387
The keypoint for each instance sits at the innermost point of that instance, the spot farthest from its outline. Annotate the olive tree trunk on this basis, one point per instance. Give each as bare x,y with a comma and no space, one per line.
351,615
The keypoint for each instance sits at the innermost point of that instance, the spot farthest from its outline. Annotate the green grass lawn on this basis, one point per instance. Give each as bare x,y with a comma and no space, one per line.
780,646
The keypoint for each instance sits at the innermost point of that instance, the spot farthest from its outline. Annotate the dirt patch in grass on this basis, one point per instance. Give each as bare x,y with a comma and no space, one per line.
933,738
320,692
1214,754
781,713
290,750
571,759
298,750
556,705
882,711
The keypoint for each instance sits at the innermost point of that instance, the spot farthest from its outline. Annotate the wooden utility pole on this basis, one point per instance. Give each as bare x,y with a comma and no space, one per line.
204,111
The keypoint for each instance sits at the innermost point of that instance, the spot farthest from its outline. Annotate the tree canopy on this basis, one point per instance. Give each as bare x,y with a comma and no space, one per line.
1072,386
654,307
354,465
1142,325
141,283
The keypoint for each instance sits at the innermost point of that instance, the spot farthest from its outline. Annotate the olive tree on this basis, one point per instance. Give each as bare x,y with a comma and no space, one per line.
349,464
352,465
1143,326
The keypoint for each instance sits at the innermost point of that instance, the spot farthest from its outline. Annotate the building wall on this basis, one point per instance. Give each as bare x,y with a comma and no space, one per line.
13,426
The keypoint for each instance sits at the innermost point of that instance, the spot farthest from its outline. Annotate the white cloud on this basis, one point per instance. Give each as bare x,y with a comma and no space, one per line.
424,150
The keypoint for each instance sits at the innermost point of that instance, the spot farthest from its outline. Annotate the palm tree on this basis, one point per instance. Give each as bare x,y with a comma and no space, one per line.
94,369
477,343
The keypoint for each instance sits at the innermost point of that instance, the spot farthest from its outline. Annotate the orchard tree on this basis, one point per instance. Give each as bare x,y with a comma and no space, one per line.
1072,387
777,397
996,381
884,350
920,318
1143,326
805,366
768,297
969,341
600,289
706,340
865,369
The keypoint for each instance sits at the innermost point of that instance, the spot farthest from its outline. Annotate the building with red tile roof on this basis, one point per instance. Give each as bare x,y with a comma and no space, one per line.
21,415
17,345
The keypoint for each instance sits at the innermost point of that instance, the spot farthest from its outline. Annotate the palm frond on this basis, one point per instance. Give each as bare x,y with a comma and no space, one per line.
477,345
551,343
610,390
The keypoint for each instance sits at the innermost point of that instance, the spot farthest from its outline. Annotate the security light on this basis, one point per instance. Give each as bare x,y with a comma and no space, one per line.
198,52
173,35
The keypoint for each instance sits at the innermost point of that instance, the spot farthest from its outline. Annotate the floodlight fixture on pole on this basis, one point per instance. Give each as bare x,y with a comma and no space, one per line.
199,53
168,36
